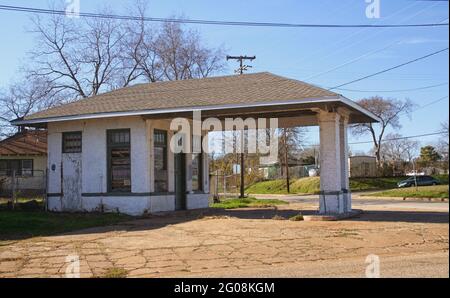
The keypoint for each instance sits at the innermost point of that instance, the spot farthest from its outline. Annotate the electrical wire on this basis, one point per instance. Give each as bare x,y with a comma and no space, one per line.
398,90
210,22
389,69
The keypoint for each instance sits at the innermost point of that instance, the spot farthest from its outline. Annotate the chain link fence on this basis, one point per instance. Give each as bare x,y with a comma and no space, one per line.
29,186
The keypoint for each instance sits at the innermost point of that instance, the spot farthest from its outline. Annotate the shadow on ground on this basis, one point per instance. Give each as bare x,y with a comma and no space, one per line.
158,221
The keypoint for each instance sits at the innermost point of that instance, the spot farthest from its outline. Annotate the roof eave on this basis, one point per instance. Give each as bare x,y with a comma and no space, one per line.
325,99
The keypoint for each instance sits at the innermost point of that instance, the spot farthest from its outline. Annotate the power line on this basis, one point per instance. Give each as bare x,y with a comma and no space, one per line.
403,138
431,103
398,90
211,22
389,69
367,37
355,33
390,139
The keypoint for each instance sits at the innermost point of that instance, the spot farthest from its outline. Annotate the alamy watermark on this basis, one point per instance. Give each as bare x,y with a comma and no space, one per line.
373,9
250,135
73,266
373,267
72,8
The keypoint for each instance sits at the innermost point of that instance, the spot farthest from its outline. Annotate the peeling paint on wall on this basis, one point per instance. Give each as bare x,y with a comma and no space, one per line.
71,182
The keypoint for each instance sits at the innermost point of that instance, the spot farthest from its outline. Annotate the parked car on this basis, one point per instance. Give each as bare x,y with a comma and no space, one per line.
421,181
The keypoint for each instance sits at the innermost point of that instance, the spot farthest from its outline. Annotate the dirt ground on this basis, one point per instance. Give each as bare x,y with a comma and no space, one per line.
410,242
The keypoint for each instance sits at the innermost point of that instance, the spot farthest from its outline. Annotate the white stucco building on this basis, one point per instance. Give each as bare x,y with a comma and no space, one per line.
111,152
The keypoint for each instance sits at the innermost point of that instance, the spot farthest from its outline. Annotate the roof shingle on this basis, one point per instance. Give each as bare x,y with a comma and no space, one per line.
237,89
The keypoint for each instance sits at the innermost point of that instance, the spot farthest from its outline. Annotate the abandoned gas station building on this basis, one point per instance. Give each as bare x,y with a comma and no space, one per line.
110,152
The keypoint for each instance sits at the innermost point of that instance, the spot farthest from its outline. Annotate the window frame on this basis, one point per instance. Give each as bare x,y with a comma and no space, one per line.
165,158
109,147
68,133
19,173
200,171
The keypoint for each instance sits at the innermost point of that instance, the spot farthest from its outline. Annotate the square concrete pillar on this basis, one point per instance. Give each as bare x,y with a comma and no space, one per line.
331,195
345,184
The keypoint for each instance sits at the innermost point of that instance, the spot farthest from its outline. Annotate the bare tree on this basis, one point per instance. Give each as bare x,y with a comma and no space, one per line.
182,55
443,146
398,150
139,47
78,58
23,98
444,139
389,111
291,139
85,58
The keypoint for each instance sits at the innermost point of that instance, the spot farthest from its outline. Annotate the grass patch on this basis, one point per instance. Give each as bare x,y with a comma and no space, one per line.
298,217
268,187
278,217
362,184
308,185
311,185
232,203
115,273
18,224
437,191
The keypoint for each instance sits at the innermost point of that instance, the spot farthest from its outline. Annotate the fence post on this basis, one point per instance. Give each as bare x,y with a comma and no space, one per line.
13,188
224,185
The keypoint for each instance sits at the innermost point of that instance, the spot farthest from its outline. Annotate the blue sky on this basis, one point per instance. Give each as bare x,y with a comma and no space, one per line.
302,53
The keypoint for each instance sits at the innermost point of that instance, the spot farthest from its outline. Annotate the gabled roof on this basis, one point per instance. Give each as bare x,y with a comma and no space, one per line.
185,95
28,142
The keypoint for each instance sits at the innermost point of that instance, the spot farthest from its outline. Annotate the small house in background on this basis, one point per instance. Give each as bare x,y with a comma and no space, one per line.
362,166
23,155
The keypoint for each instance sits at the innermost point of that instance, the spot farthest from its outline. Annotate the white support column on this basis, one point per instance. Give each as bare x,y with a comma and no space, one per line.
331,195
345,184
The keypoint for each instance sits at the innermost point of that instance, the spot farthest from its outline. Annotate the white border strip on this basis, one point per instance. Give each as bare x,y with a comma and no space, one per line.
199,108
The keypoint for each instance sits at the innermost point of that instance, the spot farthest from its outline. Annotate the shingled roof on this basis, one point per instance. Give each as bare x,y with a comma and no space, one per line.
29,142
214,93
236,89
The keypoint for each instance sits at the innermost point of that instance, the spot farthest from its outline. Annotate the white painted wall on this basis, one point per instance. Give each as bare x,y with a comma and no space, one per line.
94,168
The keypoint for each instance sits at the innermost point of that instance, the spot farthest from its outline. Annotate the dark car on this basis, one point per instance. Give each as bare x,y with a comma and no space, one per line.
421,181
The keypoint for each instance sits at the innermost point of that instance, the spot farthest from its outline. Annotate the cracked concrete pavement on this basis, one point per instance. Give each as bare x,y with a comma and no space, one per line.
245,243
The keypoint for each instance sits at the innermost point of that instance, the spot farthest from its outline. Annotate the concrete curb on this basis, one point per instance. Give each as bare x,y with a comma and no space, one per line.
427,199
333,217
404,198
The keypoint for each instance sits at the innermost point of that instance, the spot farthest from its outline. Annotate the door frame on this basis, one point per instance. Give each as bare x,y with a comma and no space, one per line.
180,173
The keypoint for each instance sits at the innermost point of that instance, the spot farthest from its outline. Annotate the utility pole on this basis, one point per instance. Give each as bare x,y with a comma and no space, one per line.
241,70
241,59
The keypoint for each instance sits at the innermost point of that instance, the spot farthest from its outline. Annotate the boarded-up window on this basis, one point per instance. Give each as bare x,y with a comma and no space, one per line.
119,160
71,142
160,160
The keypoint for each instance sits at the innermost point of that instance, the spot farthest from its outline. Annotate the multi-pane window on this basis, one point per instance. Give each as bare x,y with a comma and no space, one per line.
27,167
197,171
71,142
160,160
119,160
197,162
20,167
